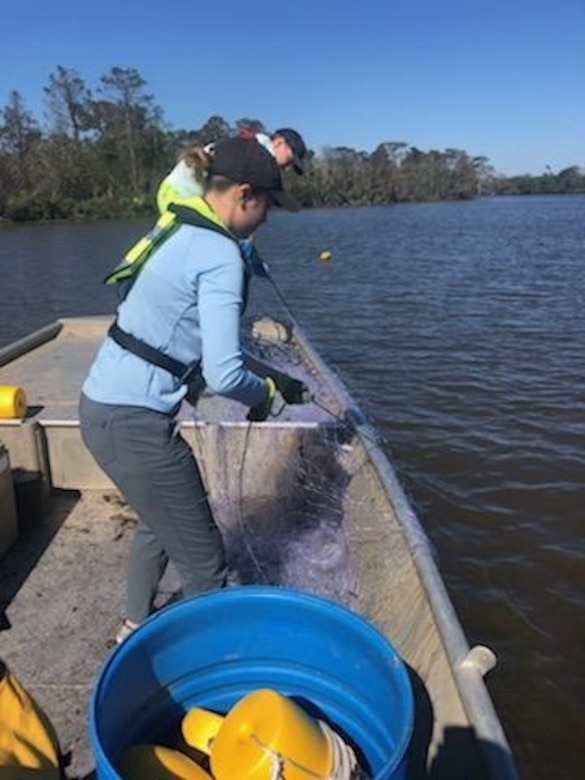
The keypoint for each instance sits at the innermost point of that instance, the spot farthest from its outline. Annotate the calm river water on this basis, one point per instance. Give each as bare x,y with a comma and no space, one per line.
460,328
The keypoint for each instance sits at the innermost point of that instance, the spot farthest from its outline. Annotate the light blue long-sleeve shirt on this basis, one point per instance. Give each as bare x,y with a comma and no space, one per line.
187,302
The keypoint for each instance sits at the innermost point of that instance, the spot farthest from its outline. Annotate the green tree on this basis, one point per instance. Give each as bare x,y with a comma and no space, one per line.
19,133
69,103
213,130
254,125
124,117
105,156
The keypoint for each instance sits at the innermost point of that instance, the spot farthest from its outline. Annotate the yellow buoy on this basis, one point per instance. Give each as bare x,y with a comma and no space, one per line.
261,730
144,761
325,255
199,728
12,402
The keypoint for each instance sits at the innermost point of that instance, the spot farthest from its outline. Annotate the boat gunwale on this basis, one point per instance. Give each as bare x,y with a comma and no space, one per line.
469,677
37,338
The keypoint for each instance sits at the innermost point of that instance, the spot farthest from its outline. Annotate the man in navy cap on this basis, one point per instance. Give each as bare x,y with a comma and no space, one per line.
286,146
187,178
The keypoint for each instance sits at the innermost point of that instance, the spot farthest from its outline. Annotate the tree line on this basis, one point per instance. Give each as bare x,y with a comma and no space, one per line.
102,153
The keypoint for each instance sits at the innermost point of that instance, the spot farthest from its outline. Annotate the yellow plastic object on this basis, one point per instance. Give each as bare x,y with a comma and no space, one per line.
199,728
28,743
12,402
141,762
263,731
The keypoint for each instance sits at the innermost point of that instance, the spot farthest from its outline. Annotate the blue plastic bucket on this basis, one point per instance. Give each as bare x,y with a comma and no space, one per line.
211,650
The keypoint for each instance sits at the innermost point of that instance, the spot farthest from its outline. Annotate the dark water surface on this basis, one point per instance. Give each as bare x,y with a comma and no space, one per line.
460,329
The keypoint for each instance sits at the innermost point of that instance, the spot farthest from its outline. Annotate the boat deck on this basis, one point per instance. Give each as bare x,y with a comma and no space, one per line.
60,583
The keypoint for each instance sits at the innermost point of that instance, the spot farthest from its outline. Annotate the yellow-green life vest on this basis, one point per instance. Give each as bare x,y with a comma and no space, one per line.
167,224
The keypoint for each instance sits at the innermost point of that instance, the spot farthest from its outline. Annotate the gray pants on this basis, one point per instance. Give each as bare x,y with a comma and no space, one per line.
154,468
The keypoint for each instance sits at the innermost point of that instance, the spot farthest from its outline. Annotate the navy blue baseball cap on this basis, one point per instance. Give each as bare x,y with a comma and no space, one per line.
245,161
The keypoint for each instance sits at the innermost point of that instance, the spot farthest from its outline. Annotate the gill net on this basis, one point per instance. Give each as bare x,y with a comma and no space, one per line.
295,536
294,533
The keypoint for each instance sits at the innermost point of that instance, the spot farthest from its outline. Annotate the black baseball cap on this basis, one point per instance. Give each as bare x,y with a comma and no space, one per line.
245,161
297,146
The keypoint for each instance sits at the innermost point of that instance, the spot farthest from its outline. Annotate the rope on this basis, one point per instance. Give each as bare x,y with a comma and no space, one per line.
276,761
344,762
240,511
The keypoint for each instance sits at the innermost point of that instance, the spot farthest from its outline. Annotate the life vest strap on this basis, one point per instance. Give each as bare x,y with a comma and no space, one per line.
183,372
190,216
134,261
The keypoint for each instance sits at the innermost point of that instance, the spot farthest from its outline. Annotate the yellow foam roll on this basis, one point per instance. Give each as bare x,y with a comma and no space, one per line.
12,402
141,762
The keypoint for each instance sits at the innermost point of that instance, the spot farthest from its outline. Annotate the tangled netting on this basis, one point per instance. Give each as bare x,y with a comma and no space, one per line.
296,538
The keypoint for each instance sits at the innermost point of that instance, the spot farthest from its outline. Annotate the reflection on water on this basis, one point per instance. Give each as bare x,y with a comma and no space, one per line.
460,329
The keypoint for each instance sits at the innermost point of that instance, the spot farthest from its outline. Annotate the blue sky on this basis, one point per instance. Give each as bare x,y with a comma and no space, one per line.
504,79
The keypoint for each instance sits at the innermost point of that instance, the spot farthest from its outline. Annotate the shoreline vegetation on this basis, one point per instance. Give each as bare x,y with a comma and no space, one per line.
103,152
